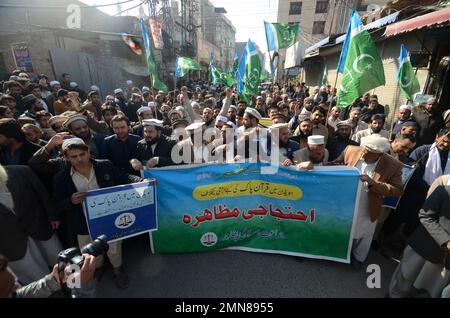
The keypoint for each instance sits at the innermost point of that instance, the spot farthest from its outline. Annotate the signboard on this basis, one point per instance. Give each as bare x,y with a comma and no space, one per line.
22,56
122,211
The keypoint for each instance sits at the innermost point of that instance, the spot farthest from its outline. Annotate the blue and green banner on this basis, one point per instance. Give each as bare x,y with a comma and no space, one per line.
216,206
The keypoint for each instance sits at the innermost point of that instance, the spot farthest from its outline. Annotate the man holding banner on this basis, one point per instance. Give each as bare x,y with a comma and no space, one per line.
381,176
80,175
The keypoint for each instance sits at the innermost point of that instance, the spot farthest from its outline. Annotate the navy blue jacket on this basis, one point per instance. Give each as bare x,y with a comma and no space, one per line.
120,152
107,176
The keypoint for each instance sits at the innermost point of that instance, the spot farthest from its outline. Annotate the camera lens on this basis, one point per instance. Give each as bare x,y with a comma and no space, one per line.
98,247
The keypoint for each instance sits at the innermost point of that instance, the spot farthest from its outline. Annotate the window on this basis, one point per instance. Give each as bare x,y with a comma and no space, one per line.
321,6
419,59
296,8
318,27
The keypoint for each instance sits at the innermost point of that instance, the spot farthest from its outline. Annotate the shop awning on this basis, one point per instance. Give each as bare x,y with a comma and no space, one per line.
419,22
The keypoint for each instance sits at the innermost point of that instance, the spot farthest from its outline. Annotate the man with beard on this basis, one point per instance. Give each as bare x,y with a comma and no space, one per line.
375,127
287,147
93,105
155,149
337,144
308,105
15,90
430,121
315,154
32,105
232,112
304,130
120,148
402,146
357,124
318,128
77,126
10,102
120,100
404,115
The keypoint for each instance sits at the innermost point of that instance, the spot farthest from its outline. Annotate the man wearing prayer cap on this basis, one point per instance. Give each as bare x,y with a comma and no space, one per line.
341,140
143,113
315,154
155,149
77,126
382,177
404,114
430,121
308,105
94,88
120,99
220,121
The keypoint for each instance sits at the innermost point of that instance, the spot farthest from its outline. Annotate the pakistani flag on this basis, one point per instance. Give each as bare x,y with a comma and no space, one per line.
363,69
249,71
324,80
156,83
409,84
281,35
184,65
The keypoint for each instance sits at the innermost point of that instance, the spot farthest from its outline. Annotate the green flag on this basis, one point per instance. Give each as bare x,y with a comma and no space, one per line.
185,64
409,84
249,71
281,35
156,83
324,80
363,68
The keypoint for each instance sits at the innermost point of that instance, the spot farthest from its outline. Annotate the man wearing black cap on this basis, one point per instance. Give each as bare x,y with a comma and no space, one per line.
32,105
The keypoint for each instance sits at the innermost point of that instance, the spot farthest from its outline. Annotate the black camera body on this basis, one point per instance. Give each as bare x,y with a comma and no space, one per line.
74,255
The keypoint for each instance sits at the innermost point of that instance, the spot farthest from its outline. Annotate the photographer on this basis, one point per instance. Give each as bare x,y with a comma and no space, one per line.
51,283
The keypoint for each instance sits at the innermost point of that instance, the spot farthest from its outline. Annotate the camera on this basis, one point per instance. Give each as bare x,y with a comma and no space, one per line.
74,255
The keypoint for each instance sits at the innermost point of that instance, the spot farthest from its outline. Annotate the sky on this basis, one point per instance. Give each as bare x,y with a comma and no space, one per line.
247,16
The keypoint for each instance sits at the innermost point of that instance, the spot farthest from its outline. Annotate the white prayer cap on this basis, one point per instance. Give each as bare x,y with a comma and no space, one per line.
94,88
231,124
323,87
72,141
151,104
279,126
53,83
110,97
253,112
194,126
446,114
146,89
143,109
221,118
284,95
180,108
263,92
431,100
376,143
129,82
23,75
195,105
118,90
233,107
73,84
408,107
259,97
152,122
316,140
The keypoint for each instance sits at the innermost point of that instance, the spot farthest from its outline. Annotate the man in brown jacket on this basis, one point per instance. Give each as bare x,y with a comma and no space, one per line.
381,176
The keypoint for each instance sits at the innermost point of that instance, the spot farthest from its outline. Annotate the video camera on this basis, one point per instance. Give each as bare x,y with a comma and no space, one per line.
75,255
